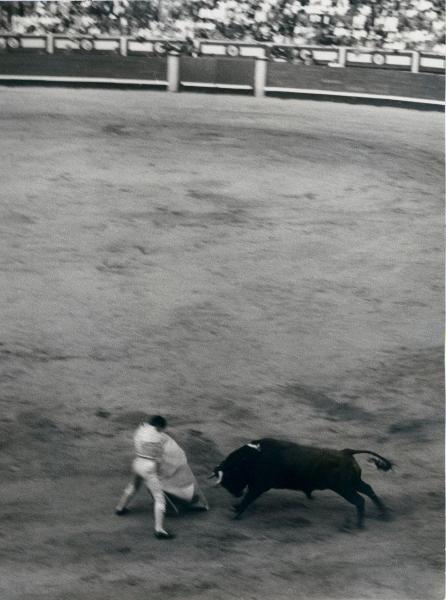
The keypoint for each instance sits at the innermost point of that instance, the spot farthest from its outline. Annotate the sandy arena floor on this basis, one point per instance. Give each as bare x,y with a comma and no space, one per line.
247,268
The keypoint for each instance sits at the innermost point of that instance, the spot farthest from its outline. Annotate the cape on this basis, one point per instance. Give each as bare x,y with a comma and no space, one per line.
174,472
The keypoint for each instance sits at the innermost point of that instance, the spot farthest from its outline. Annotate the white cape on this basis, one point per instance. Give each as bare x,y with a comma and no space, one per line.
174,473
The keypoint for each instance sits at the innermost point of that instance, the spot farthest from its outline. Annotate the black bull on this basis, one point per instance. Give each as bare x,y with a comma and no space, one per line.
268,464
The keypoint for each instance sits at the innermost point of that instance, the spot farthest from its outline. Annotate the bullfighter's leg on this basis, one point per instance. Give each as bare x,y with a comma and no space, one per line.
249,497
159,501
128,495
354,498
367,489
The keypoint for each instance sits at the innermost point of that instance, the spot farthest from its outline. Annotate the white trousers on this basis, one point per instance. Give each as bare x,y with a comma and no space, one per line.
146,469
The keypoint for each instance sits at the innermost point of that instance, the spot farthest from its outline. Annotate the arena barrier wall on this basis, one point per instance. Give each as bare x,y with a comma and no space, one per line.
286,78
217,73
322,72
90,68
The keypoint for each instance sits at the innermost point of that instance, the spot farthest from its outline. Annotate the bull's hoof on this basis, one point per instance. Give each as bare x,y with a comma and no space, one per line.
346,526
385,516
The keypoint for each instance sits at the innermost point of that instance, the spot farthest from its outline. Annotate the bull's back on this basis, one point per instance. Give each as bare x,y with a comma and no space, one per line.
305,467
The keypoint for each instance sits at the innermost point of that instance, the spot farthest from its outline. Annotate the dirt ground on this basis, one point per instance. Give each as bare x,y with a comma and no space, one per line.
246,268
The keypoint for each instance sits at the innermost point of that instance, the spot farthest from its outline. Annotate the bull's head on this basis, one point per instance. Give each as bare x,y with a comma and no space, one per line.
231,479
233,472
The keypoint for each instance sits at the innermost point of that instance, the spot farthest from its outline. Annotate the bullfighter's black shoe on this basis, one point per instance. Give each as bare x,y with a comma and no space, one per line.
121,511
163,535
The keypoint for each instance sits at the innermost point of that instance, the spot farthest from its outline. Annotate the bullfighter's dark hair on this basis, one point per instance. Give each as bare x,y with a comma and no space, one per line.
158,421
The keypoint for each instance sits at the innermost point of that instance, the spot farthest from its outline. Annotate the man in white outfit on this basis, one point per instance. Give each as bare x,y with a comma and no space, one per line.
162,465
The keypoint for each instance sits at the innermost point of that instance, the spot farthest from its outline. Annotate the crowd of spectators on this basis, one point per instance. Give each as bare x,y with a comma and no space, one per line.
388,24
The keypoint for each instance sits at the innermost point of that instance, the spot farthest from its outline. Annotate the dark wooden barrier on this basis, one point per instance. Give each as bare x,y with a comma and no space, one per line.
240,74
217,72
84,65
354,80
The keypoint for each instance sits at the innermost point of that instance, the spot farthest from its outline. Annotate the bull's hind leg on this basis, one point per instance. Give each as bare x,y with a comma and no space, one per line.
367,489
354,498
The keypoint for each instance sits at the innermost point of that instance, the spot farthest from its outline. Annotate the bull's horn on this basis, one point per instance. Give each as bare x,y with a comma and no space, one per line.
254,446
219,478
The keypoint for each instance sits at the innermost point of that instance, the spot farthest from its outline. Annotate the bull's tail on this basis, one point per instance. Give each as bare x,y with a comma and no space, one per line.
383,464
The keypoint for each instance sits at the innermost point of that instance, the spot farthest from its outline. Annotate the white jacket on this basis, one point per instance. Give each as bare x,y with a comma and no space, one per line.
149,442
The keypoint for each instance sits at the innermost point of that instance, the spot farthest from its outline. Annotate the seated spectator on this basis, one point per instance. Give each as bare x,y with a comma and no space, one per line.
373,40
326,37
394,41
341,33
440,46
390,23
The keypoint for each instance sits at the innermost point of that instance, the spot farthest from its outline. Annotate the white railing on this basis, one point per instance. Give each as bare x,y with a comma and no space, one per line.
333,56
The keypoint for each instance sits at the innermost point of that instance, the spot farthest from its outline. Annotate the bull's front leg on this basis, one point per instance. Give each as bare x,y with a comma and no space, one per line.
251,495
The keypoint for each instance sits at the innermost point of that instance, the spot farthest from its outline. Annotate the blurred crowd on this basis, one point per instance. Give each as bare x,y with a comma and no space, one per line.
388,24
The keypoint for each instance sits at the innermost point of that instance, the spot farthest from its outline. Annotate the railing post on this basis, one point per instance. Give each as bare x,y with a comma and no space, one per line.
173,72
342,56
260,67
415,66
123,45
50,43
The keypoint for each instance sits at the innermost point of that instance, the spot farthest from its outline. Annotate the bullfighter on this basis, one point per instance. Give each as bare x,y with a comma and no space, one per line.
162,464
